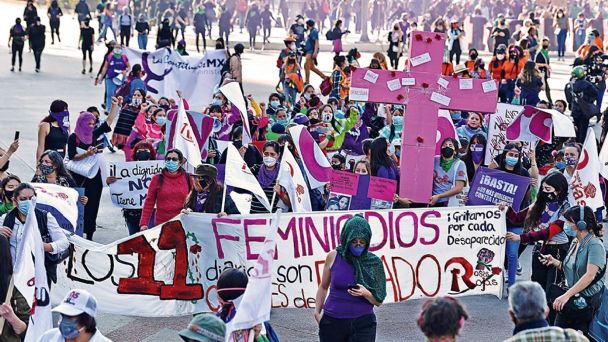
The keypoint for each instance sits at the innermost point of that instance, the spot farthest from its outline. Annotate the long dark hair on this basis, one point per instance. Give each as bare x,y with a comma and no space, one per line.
468,159
3,184
559,182
379,156
591,54
57,161
233,279
6,266
215,189
574,214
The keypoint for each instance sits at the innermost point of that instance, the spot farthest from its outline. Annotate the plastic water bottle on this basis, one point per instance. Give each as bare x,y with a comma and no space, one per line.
580,302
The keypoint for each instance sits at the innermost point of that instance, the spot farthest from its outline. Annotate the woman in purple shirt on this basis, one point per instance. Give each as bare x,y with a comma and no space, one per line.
381,162
356,282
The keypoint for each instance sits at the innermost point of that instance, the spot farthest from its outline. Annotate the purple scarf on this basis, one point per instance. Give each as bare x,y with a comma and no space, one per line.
267,177
83,131
63,119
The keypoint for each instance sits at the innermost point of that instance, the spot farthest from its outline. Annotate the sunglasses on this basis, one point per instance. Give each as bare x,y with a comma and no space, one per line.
175,159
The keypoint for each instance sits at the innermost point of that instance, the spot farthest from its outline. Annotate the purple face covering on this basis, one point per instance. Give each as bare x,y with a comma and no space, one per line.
63,119
83,131
476,153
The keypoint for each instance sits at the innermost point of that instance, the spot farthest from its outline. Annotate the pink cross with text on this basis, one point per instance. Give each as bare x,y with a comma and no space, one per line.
425,91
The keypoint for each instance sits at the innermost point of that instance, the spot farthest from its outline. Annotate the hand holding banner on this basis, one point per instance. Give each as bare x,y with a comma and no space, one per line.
132,181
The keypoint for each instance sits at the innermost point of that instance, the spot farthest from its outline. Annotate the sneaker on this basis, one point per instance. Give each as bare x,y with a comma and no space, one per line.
90,70
19,69
520,270
103,105
13,69
83,71
37,70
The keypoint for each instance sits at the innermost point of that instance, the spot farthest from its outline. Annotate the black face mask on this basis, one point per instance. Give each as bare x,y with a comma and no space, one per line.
8,194
5,167
238,144
142,155
473,56
313,122
548,196
336,166
447,152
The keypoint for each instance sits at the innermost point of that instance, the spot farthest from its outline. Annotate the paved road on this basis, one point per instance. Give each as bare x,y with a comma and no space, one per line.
25,100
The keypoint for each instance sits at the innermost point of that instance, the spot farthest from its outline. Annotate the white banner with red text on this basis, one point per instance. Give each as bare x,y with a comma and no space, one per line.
173,269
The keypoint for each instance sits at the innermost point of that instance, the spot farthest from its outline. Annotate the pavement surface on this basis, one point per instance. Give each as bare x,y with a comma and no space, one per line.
26,96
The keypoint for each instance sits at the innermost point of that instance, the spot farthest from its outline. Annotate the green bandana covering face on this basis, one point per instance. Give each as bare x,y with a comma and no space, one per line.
369,270
446,164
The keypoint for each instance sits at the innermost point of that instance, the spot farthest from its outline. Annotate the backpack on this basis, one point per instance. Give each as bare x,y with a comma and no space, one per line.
329,35
226,66
587,108
50,260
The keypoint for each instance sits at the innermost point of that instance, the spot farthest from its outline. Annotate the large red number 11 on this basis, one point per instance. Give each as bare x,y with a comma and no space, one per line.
172,236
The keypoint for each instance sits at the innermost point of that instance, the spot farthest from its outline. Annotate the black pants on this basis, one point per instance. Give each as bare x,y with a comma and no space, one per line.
37,54
54,29
547,89
362,329
253,31
581,123
266,30
89,51
202,33
547,275
92,189
17,50
455,52
125,34
226,33
580,319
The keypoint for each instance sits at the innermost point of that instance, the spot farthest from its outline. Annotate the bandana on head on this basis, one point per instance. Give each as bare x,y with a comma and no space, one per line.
83,131
63,119
369,270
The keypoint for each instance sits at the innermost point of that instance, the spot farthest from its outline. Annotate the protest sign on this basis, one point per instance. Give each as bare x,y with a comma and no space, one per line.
351,191
132,182
63,203
491,186
497,130
173,269
166,71
584,187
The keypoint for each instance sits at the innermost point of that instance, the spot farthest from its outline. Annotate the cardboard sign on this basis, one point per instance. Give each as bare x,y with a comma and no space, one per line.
492,186
132,182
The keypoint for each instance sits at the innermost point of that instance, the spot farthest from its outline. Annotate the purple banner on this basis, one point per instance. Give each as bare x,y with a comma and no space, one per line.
491,186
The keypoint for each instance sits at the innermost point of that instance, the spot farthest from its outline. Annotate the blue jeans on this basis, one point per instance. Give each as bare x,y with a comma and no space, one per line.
579,39
142,41
561,42
104,32
513,255
290,92
110,91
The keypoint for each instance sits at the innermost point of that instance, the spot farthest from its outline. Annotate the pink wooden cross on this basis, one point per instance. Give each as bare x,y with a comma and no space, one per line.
424,90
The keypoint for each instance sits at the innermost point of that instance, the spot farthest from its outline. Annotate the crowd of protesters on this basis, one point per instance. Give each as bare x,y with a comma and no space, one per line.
360,137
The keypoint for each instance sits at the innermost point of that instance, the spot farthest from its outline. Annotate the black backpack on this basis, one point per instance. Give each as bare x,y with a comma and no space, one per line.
50,260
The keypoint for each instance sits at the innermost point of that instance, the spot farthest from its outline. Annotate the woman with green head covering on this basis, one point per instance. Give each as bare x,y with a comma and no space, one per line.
356,282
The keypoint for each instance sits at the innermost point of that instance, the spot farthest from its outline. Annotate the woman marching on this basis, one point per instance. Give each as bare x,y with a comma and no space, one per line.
356,282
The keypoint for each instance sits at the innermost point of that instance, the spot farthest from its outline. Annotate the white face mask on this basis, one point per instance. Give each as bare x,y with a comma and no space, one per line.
327,117
136,102
269,161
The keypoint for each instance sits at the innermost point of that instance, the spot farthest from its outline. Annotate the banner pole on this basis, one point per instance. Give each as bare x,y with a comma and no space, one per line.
274,195
224,199
7,300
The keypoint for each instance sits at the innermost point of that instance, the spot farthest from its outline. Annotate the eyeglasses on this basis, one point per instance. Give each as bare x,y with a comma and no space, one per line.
175,159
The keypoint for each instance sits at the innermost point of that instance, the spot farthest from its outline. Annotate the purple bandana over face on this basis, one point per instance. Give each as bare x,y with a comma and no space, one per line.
83,131
63,119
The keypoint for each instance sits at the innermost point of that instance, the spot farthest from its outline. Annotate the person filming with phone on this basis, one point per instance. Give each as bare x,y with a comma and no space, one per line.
583,268
356,282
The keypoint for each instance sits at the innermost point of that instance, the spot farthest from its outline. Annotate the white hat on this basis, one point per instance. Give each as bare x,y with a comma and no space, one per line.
76,302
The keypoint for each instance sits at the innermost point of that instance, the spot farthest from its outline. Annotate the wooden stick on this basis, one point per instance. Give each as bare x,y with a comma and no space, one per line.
9,296
224,198
274,195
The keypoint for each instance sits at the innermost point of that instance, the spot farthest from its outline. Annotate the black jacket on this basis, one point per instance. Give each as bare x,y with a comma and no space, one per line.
580,86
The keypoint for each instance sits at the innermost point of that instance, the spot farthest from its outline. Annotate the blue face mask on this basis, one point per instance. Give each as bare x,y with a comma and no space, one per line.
339,115
216,102
568,230
274,103
171,165
356,250
456,116
398,120
68,328
24,206
560,165
511,161
161,120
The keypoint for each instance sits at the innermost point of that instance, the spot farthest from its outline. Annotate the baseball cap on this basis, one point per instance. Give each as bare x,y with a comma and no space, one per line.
205,328
76,302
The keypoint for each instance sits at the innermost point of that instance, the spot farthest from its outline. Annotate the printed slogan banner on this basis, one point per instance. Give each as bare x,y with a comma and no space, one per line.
497,130
173,269
132,182
167,71
491,186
